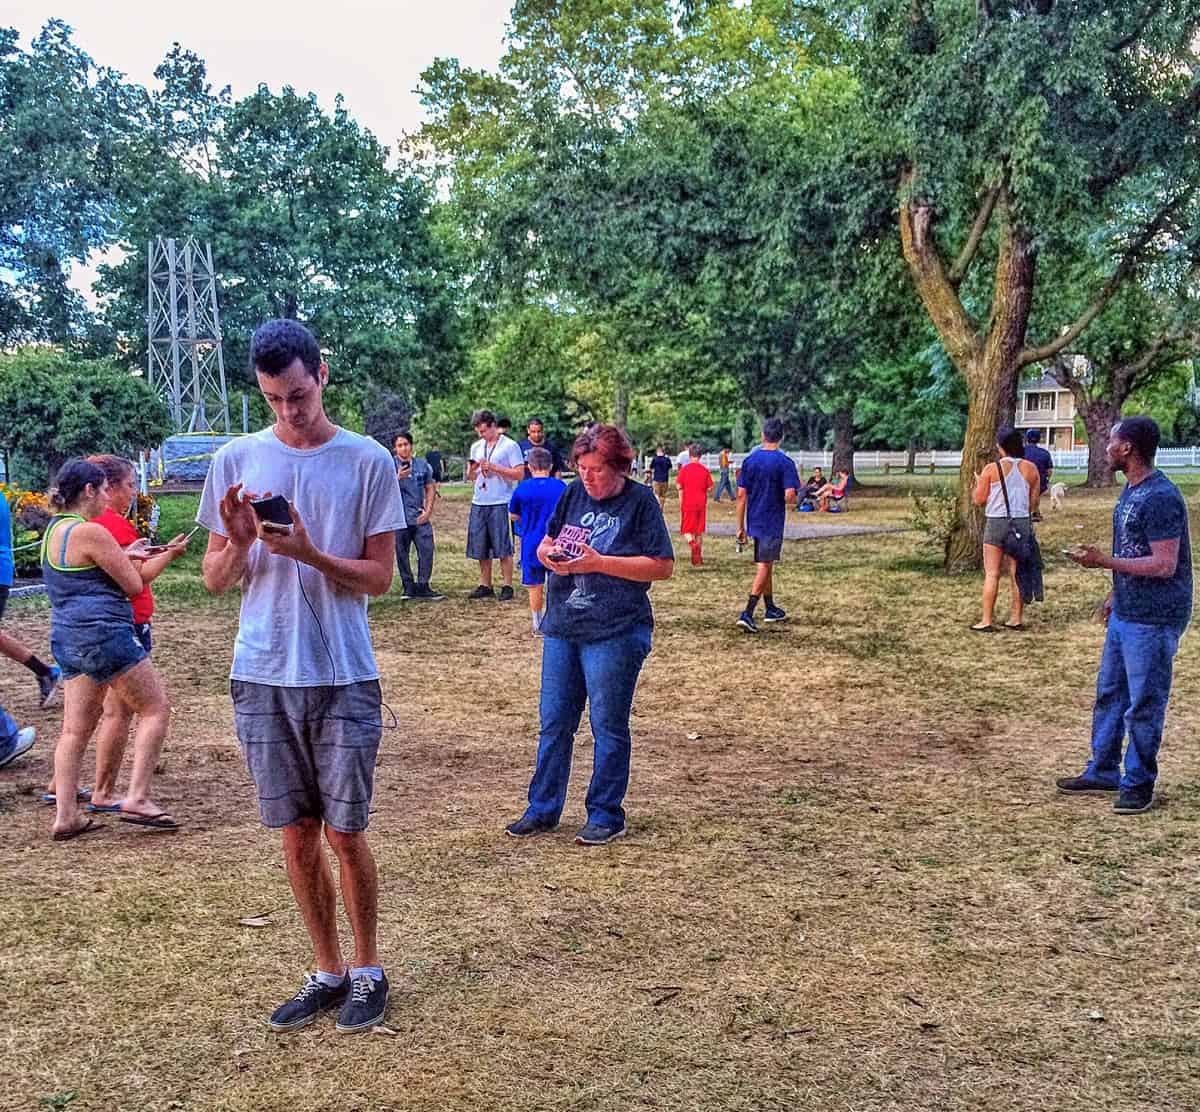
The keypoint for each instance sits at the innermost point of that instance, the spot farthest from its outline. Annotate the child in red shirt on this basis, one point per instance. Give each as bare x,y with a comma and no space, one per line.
694,482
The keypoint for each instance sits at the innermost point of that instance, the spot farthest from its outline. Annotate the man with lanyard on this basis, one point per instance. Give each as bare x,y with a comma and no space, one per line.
767,484
1147,611
535,437
305,686
417,491
724,482
496,466
1041,459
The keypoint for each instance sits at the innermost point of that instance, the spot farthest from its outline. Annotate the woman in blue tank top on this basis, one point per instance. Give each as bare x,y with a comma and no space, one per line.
90,581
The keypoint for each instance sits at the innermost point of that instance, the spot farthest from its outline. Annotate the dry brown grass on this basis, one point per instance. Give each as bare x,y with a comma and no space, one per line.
855,890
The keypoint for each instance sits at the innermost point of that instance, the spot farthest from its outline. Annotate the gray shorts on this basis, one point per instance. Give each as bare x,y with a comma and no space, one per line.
310,750
995,529
489,534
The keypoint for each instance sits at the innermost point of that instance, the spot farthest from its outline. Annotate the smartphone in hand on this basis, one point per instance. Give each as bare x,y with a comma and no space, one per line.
273,514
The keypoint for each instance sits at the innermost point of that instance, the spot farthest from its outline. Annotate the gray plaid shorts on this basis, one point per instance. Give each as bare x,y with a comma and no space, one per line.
489,533
310,750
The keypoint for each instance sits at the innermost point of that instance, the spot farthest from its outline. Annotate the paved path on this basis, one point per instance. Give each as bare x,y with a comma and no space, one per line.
802,531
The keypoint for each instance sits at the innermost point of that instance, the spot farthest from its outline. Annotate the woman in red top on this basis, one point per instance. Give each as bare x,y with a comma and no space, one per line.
113,731
694,482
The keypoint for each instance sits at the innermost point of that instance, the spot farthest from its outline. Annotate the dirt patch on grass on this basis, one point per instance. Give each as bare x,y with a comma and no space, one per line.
848,882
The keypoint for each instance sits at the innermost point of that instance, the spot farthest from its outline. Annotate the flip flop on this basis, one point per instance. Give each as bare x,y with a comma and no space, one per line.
161,821
51,800
89,827
104,808
983,629
1018,628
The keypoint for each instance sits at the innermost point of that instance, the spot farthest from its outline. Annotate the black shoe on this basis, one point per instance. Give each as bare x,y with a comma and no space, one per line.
482,592
747,622
776,614
408,591
1134,801
526,827
312,999
506,594
366,1005
1083,785
593,834
427,594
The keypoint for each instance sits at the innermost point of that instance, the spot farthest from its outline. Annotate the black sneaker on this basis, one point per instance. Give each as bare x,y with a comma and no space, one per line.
482,592
1134,801
593,834
526,827
427,594
776,614
747,622
1083,785
408,591
506,594
312,999
366,1005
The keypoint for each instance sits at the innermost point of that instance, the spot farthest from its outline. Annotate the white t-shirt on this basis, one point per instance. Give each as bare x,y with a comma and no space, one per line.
344,492
493,490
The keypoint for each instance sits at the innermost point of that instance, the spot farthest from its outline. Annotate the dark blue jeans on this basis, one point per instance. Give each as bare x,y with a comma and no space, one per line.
725,483
604,673
8,731
1131,698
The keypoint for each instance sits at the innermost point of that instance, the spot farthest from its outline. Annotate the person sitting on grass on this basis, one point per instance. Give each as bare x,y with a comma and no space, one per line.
694,482
529,510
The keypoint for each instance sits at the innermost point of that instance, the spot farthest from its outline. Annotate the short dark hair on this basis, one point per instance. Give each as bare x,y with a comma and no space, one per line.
772,430
535,421
277,344
1142,435
403,434
71,481
539,459
1010,440
1033,435
694,451
504,422
482,417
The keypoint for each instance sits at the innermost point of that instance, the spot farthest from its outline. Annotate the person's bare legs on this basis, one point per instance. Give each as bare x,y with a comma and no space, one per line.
506,570
360,891
82,700
311,879
763,584
141,690
1017,604
111,737
485,573
992,556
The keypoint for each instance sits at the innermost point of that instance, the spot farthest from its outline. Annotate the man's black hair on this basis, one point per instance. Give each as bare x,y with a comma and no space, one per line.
405,434
482,417
1010,440
535,421
772,430
277,344
1142,435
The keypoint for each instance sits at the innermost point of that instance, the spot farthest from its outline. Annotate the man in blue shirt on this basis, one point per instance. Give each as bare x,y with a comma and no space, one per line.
660,472
1041,459
418,488
530,509
767,483
1146,611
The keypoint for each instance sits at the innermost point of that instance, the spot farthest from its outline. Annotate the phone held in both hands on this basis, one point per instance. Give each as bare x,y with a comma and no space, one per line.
273,514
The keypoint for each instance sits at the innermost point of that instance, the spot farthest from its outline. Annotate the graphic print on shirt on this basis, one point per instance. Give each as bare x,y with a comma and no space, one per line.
598,531
1127,542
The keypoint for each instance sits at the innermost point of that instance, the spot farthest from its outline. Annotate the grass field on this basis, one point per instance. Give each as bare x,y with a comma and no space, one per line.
848,883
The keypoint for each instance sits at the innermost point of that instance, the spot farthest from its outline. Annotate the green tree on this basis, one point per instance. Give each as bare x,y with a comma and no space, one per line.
57,406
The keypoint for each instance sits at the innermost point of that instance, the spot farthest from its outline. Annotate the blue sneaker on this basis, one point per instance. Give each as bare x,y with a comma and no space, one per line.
1133,801
776,614
747,622
526,827
364,1007
313,998
593,834
20,743
49,684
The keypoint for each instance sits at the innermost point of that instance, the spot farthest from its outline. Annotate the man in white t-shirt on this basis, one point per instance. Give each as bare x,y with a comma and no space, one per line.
497,464
305,686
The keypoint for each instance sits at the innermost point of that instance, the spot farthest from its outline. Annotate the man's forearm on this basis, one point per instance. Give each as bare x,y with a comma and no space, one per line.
364,577
221,570
1152,567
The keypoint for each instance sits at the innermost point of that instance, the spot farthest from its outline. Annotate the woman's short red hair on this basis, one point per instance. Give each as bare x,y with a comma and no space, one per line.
608,442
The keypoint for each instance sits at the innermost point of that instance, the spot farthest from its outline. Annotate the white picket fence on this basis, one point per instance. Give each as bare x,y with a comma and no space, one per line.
1075,460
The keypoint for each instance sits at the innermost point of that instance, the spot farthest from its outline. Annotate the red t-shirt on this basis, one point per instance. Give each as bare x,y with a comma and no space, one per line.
694,482
124,533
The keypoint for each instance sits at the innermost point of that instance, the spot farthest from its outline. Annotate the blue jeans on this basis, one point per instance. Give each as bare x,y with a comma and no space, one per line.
1131,698
8,731
605,674
724,483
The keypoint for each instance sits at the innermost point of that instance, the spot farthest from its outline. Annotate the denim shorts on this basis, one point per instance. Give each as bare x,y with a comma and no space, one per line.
142,632
310,750
767,550
101,652
489,533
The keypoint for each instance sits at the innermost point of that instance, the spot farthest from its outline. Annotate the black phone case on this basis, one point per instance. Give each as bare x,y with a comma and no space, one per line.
273,509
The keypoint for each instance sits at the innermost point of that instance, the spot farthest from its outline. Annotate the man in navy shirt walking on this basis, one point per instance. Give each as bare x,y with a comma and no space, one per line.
767,483
1147,611
1041,459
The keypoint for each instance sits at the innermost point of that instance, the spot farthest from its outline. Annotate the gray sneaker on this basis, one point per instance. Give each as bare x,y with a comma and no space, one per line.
593,834
312,999
22,741
365,1007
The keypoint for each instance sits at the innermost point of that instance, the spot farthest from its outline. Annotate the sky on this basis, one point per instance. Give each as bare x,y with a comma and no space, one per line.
371,51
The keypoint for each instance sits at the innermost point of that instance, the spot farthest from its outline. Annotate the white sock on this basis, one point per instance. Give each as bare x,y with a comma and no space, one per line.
330,980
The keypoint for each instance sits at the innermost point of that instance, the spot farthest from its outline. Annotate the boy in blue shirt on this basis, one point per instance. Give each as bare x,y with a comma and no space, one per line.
530,507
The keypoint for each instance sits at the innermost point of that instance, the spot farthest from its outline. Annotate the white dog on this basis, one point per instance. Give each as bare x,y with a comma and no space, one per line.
1058,491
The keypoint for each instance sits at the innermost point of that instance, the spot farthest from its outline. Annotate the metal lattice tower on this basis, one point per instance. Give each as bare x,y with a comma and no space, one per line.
187,365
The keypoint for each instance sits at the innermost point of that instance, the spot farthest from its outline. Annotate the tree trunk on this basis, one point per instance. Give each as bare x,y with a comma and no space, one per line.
843,440
1006,408
1099,415
621,405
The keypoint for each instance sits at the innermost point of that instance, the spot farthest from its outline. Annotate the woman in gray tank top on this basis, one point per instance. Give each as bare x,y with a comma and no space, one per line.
90,581
1023,488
